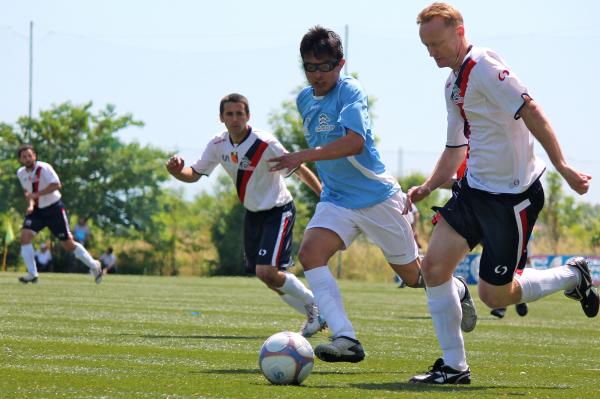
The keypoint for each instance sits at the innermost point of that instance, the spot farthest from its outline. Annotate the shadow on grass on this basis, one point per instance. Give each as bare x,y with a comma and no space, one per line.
412,387
257,371
152,336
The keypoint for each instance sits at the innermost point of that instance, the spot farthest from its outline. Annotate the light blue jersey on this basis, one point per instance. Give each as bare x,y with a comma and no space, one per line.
357,181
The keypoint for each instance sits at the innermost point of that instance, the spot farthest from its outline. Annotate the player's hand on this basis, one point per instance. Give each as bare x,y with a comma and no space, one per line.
289,161
175,165
579,182
29,210
415,194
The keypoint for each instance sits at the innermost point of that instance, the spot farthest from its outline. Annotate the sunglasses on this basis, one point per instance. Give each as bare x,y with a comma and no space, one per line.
323,66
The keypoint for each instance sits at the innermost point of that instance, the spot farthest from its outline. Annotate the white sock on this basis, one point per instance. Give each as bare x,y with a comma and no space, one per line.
294,302
83,255
28,255
329,301
294,287
446,313
460,287
536,284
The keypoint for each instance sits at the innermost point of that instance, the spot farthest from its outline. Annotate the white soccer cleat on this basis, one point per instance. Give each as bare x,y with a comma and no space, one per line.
469,312
97,272
313,323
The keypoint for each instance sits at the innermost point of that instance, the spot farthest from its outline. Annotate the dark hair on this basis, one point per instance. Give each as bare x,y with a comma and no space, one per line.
109,250
321,42
25,147
234,98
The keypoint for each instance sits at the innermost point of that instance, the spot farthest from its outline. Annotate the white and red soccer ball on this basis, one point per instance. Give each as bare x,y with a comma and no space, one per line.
286,358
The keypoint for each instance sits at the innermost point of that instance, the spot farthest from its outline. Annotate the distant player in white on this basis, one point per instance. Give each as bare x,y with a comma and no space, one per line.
498,201
359,196
270,212
45,209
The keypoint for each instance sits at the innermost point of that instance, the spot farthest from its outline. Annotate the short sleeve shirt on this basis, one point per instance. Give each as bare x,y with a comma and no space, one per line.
246,163
483,101
357,181
40,177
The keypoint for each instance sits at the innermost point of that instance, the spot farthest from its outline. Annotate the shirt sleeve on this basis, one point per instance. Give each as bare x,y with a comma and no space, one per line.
50,175
276,149
354,113
23,181
207,162
495,81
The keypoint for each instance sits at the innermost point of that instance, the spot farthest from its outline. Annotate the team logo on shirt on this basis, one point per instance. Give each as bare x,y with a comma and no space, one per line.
234,157
502,75
324,124
245,164
456,97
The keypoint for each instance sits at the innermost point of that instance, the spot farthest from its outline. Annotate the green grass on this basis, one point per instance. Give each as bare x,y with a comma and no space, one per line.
175,337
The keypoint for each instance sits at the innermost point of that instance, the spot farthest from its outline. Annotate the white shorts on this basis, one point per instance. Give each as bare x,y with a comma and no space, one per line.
384,224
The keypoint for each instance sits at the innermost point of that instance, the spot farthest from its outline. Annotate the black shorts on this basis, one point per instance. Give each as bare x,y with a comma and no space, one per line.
268,237
502,223
54,217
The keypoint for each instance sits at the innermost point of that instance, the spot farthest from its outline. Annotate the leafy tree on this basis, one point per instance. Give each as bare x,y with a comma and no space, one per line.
436,198
227,230
551,214
115,183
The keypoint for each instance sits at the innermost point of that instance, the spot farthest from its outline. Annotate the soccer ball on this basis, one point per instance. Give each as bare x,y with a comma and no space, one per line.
286,358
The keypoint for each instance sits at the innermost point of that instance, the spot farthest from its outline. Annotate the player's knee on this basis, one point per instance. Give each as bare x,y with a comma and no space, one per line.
68,245
266,274
308,257
428,269
491,300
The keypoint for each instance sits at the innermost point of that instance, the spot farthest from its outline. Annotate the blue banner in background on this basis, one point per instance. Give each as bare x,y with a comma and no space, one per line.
469,266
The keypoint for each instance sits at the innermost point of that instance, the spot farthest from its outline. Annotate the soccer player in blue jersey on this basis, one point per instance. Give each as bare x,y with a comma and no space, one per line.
358,196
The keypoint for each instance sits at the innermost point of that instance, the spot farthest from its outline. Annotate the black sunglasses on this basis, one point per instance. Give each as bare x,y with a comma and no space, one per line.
323,66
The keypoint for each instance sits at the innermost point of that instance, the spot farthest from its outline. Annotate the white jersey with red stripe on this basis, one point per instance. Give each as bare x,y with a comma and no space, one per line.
36,180
246,162
483,101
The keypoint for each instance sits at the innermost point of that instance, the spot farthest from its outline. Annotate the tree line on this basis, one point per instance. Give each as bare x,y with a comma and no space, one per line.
119,188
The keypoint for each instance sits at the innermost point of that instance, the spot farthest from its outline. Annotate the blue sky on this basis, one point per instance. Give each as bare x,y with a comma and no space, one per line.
169,63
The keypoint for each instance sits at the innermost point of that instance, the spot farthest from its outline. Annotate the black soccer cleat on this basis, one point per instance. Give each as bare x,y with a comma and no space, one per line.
584,292
341,349
498,312
522,309
440,373
28,278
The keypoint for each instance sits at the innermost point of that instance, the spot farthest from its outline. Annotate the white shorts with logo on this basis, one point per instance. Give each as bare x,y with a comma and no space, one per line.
383,224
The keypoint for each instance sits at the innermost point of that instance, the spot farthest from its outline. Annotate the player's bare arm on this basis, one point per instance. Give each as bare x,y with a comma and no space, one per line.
449,161
30,202
309,178
351,144
50,188
539,125
176,167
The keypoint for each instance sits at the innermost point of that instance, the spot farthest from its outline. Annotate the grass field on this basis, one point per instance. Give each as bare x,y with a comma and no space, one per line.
175,337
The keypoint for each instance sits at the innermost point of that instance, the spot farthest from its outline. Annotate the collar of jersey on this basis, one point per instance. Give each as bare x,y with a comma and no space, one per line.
244,139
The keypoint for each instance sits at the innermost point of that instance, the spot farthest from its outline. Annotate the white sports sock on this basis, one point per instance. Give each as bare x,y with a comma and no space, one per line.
83,255
329,301
294,287
28,255
460,287
446,313
536,284
294,302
